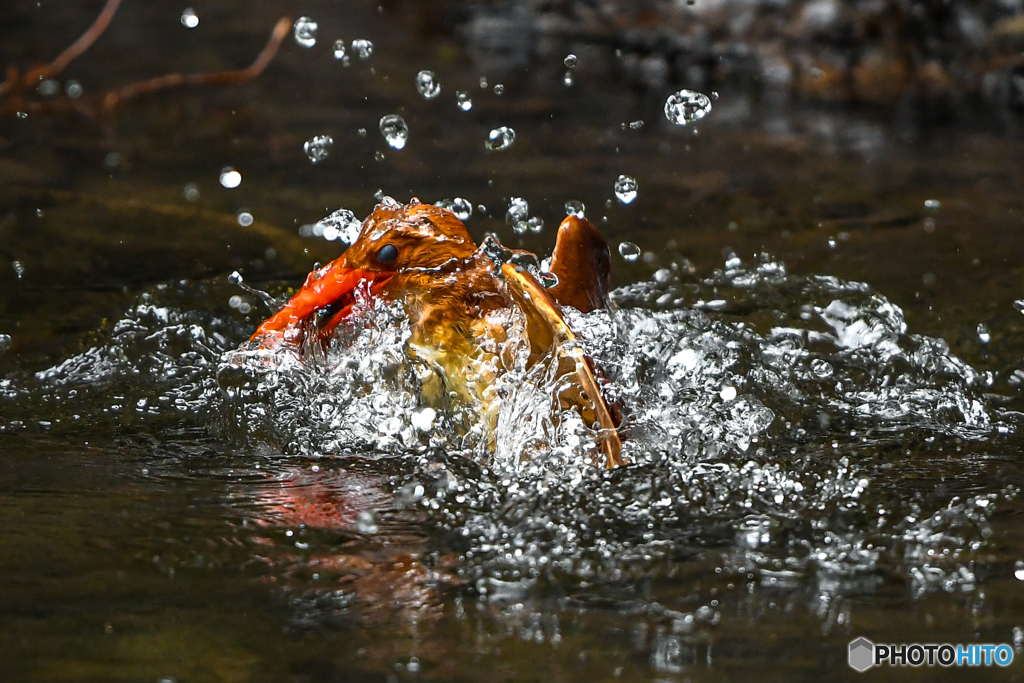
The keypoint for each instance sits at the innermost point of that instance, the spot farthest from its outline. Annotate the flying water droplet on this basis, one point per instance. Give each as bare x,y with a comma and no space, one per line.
5,343
727,393
73,89
535,224
423,420
1018,570
49,87
983,334
629,251
686,106
821,368
518,211
462,208
245,219
567,80
500,138
316,148
19,268
499,89
363,48
230,178
189,18
339,49
1019,305
574,207
341,225
933,204
569,61
191,192
394,130
463,101
626,188
366,522
236,278
427,85
304,30
636,125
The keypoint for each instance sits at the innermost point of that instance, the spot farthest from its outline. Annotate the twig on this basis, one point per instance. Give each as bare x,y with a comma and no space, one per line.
234,77
83,43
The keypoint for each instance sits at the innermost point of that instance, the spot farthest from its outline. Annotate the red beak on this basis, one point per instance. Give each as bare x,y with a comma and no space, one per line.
328,293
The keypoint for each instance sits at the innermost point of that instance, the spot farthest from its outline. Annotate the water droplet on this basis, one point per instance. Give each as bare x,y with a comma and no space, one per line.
235,301
463,101
570,60
5,343
423,420
230,178
500,138
932,204
462,208
427,84
366,522
518,211
413,666
567,79
19,268
499,89
983,334
686,106
73,89
483,82
379,156
22,115
245,219
535,224
394,130
48,87
339,49
189,18
821,368
340,225
629,251
304,30
316,148
191,192
235,278
245,308
574,207
1019,305
1018,570
625,188
363,48
112,160
636,125
727,393
361,132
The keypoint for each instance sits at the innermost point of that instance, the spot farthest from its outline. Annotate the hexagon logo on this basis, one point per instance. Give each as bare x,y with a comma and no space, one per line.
862,654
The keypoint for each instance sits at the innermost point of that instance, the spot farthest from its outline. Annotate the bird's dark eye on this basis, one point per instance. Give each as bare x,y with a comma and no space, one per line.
387,254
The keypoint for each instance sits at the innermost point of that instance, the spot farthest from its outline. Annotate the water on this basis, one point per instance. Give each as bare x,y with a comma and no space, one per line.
317,148
500,138
304,31
427,85
626,188
189,18
687,106
463,100
230,178
824,443
362,48
394,130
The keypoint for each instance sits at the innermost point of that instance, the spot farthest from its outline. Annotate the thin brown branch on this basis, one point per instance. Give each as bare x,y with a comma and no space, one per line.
73,51
234,77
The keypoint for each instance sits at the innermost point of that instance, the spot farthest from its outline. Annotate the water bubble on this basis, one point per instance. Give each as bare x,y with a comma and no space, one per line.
574,207
366,522
304,30
499,89
462,208
316,148
191,192
932,204
570,60
983,334
189,18
245,219
463,101
423,420
629,251
394,130
1018,570
535,224
518,211
339,49
19,268
427,84
73,89
727,393
625,188
500,138
340,225
686,106
230,178
363,48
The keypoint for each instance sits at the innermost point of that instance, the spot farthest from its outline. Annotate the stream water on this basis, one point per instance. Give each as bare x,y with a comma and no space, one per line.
816,339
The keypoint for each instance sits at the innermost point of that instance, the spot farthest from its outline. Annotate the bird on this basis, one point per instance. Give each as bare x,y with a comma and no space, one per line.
458,298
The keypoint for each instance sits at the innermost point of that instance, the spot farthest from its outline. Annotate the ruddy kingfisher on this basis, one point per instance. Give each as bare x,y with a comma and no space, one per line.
458,300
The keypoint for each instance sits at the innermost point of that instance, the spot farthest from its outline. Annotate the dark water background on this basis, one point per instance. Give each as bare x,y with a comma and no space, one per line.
141,542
